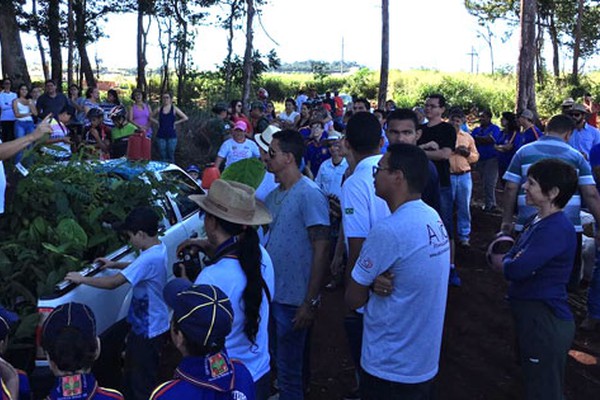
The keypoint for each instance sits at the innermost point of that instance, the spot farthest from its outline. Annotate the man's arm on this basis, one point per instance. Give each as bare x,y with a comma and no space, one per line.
319,238
511,191
9,149
441,154
590,196
354,247
356,294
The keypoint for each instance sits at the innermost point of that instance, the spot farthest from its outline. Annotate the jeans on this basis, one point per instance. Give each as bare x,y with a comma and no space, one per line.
593,301
446,209
166,149
142,357
22,128
462,186
289,351
374,388
488,171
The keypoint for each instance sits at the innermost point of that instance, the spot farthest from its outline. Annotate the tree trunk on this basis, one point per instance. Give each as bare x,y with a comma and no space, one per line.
525,75
38,37
143,6
86,65
54,41
555,47
165,51
385,54
71,40
577,43
228,66
539,58
182,67
247,68
14,65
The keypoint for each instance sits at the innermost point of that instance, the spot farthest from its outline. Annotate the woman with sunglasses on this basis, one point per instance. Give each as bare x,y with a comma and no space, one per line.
237,114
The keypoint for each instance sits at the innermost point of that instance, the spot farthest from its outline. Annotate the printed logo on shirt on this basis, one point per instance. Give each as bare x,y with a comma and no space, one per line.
218,365
365,263
71,386
437,235
349,211
237,395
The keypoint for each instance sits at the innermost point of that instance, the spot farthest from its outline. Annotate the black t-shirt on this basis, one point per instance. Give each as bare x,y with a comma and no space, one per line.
444,135
46,104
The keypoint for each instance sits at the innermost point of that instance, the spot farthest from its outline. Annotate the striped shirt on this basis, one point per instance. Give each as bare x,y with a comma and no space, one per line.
547,147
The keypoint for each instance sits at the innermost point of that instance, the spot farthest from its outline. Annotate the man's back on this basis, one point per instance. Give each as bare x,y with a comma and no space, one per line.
547,147
403,331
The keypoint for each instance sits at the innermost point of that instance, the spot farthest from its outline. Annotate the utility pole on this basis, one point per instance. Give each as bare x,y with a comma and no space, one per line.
472,54
342,62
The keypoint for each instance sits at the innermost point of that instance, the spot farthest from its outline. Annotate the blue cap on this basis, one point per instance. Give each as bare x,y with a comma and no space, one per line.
72,315
7,320
193,168
202,312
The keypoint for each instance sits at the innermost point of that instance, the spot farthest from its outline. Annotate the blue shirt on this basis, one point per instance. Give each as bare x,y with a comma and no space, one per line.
487,151
24,387
147,274
547,147
403,331
531,135
81,386
584,139
215,377
595,160
539,264
294,211
516,138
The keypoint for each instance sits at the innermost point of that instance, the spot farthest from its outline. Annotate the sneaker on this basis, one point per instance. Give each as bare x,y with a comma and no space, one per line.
590,324
464,243
454,279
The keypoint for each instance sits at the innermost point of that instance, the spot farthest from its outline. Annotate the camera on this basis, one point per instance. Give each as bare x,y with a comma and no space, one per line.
191,260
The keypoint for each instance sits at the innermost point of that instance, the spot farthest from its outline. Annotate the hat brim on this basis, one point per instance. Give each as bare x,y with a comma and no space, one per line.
261,214
261,142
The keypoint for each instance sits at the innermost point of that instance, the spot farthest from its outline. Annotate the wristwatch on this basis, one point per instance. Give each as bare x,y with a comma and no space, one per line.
314,303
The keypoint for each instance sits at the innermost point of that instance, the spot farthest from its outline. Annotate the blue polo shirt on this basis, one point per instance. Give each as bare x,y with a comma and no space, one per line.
487,151
531,135
584,139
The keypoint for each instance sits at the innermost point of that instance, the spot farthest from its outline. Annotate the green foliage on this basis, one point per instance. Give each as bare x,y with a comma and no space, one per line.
59,220
249,171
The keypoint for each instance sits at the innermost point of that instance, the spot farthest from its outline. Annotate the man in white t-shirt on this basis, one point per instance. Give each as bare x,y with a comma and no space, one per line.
361,208
237,148
403,322
7,115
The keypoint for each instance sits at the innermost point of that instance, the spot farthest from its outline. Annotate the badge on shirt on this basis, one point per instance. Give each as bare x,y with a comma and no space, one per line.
365,263
218,365
71,386
349,211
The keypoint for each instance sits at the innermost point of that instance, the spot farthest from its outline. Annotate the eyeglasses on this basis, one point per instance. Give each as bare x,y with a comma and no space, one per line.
431,106
272,152
377,168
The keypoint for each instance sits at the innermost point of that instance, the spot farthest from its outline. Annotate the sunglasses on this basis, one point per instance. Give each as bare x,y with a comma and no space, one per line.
377,168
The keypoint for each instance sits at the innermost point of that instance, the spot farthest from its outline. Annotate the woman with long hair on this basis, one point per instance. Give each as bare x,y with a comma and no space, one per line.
139,113
166,135
242,268
289,117
24,110
305,115
237,114
510,141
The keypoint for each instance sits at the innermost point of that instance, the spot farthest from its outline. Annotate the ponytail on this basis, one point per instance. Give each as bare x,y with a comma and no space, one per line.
250,258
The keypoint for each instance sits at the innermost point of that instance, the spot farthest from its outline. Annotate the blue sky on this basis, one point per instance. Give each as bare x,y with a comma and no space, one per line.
436,34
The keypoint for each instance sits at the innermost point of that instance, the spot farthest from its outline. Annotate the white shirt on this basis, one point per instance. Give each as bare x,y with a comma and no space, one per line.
288,118
329,178
233,151
2,185
227,274
361,208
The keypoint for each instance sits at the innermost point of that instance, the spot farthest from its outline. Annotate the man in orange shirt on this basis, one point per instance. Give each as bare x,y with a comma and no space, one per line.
461,159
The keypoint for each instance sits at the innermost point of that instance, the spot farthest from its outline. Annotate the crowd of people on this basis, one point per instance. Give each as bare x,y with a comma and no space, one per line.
375,201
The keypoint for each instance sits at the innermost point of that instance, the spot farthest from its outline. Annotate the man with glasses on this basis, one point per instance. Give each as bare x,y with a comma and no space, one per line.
298,244
403,322
438,141
584,136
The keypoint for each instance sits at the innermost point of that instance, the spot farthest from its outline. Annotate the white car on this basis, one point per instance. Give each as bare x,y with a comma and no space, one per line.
182,219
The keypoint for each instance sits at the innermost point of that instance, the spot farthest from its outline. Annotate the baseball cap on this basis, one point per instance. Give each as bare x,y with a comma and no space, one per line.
193,168
202,312
528,114
241,125
568,102
143,219
578,108
334,135
72,315
7,320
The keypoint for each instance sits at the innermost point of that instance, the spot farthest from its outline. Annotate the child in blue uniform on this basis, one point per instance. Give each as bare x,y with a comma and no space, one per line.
7,320
202,318
71,345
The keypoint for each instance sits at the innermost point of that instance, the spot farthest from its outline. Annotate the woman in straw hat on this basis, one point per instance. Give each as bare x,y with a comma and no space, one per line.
242,268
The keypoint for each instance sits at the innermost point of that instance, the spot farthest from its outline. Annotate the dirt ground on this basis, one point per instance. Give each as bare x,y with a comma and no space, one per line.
478,357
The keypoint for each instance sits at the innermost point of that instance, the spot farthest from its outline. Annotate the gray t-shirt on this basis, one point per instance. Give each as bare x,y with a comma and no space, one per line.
403,331
294,211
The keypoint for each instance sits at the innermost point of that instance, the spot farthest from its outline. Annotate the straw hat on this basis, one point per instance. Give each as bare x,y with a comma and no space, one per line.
233,202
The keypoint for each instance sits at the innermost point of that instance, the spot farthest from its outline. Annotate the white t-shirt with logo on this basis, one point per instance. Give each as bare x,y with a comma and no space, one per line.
233,151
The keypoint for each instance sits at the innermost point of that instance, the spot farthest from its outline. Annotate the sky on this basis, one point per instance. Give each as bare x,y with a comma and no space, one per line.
432,34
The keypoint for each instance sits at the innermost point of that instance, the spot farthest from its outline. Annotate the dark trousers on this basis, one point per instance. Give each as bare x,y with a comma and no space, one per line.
142,357
263,387
374,388
544,341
